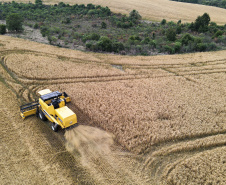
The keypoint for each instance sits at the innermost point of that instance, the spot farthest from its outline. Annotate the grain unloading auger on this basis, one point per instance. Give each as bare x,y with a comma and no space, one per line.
51,106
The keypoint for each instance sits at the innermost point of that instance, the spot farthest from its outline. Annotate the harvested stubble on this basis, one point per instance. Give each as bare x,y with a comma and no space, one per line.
4,73
35,66
17,87
25,156
26,95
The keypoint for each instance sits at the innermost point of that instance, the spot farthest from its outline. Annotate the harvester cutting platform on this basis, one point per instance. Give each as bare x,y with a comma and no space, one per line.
51,106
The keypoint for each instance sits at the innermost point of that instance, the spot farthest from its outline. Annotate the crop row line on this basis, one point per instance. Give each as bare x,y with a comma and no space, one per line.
175,66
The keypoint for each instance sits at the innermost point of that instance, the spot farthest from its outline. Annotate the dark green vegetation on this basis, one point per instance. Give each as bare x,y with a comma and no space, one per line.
2,29
217,3
14,22
98,29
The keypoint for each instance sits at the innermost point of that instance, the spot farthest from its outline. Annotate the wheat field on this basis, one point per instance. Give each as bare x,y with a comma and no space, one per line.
144,120
165,114
155,10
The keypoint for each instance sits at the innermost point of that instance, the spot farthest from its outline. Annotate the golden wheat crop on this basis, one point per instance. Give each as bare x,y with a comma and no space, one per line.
186,59
172,108
146,112
205,168
208,142
155,10
168,100
34,66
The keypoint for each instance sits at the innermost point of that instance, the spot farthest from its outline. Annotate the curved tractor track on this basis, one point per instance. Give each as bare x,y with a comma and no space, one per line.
97,151
103,165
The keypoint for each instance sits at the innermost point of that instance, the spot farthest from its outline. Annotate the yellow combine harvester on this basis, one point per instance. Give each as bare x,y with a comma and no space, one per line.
51,106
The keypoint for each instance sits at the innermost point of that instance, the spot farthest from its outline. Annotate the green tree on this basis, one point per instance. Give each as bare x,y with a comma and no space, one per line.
186,38
117,46
171,35
103,25
163,22
201,47
36,26
2,29
90,6
177,47
202,22
134,15
218,33
38,2
205,19
146,40
14,22
105,44
95,36
169,49
178,30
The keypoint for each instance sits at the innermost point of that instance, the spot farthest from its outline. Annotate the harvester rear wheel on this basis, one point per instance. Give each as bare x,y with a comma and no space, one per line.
55,127
42,115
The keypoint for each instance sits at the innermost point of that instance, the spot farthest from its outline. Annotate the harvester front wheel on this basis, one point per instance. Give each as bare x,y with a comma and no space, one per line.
55,127
42,115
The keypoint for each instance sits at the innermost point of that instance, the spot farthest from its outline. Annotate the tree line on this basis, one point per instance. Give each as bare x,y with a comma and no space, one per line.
98,29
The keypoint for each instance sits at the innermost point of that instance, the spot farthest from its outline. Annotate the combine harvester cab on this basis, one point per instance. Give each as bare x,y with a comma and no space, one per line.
51,106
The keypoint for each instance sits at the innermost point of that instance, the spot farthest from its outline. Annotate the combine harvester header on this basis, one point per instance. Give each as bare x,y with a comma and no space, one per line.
51,106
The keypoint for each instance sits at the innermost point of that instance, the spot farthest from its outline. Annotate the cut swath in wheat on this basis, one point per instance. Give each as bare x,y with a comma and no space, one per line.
43,67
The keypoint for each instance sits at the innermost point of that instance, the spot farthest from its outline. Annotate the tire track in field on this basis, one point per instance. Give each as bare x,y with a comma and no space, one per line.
22,79
37,155
164,159
169,68
14,79
105,167
163,164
